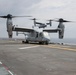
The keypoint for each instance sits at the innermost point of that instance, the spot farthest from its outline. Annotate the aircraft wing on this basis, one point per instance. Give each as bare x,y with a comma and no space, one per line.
51,30
22,29
39,23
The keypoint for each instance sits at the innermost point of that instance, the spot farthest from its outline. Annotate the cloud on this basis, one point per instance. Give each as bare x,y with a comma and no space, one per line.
15,6
52,3
54,8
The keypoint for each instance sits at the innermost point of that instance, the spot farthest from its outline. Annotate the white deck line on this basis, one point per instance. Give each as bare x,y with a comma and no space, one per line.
10,72
29,47
7,69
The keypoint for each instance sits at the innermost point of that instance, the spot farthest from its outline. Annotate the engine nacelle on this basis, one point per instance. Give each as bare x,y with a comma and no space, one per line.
61,31
61,34
9,27
10,33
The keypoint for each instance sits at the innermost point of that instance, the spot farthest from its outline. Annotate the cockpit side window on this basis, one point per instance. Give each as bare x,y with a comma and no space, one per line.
41,34
36,34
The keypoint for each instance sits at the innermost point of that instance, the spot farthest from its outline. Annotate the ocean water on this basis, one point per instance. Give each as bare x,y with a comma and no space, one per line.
71,41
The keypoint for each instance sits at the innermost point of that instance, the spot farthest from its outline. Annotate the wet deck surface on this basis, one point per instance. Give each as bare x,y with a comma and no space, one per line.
34,59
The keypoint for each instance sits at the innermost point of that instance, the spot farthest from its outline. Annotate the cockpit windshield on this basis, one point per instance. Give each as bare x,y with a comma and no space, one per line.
46,35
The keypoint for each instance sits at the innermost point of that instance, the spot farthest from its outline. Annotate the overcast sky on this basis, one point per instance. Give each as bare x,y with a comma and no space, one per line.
41,9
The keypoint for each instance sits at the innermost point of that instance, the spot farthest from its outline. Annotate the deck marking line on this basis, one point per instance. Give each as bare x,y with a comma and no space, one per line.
10,72
59,46
0,62
6,68
62,48
29,47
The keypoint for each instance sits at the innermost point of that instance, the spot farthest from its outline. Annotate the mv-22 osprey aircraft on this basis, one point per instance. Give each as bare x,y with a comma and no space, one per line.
32,34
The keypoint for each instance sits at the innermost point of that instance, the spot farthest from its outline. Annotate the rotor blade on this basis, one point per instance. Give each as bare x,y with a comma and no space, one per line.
20,16
62,20
3,16
66,21
34,19
13,16
50,20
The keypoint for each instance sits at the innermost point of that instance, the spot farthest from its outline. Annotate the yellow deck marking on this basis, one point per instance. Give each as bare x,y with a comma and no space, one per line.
58,46
61,47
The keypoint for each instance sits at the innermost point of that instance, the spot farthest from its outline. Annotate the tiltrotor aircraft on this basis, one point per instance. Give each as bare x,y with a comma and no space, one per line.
33,35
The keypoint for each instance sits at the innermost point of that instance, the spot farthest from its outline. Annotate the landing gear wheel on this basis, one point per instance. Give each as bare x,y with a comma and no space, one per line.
40,42
46,42
25,41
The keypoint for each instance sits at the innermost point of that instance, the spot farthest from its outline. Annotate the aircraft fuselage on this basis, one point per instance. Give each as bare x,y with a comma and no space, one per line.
42,37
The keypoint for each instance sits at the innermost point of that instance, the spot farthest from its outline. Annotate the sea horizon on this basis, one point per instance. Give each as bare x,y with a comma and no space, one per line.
70,41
